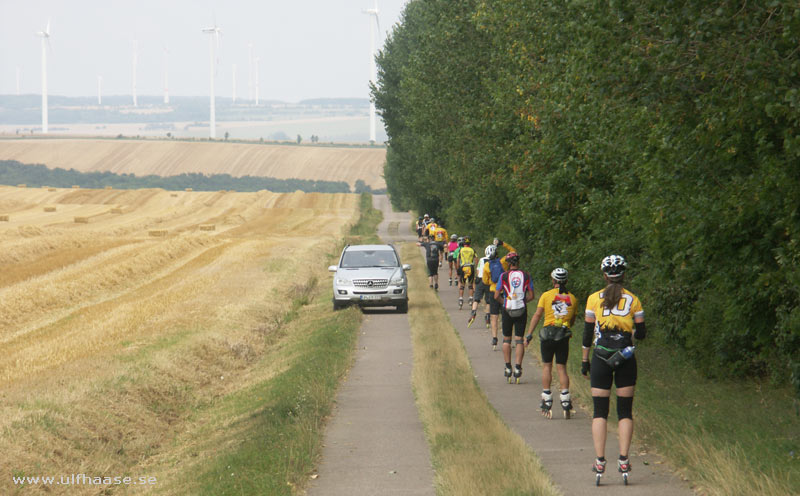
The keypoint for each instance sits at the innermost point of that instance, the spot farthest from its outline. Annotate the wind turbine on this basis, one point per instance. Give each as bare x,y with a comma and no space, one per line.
166,75
213,42
233,85
256,61
373,13
135,62
250,72
45,36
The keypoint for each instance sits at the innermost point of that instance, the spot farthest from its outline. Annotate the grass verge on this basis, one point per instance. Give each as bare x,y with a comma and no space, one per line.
272,431
470,444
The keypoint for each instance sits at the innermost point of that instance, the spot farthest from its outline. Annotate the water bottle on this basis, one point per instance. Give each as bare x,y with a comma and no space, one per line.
628,352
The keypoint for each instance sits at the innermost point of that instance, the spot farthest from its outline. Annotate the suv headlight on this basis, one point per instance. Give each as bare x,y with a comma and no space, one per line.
342,281
397,280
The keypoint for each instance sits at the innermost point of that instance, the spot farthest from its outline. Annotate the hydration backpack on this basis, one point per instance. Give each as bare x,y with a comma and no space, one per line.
496,267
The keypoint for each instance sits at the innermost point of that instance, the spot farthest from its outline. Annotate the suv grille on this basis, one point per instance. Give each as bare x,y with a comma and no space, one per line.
371,283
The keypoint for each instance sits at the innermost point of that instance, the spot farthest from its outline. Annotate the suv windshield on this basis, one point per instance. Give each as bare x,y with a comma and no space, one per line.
372,258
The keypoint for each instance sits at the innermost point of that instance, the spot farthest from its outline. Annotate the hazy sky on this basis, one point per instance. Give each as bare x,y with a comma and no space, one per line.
308,48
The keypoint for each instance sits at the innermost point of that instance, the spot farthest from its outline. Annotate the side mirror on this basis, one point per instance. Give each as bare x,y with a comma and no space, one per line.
332,268
406,267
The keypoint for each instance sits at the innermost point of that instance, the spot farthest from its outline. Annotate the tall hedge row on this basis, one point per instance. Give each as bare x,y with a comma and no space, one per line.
666,131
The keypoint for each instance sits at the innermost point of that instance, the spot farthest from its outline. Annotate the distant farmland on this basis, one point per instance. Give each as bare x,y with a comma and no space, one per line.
171,158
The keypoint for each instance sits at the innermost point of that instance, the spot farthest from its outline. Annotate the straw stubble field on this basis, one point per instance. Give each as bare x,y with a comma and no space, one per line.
110,337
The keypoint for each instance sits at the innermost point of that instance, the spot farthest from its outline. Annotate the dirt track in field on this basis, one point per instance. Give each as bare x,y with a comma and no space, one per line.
170,158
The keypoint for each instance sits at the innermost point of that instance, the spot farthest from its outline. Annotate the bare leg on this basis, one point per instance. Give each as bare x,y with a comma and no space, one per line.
600,426
547,375
563,378
625,425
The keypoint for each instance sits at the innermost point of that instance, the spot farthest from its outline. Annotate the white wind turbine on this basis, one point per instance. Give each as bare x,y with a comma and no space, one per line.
233,85
373,27
256,60
213,42
45,36
166,75
133,74
250,72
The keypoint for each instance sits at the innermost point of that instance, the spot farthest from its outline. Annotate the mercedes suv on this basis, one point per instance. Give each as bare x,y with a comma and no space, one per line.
370,276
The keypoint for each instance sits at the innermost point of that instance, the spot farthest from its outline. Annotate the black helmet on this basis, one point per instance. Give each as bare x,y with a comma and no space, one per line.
614,266
467,240
513,258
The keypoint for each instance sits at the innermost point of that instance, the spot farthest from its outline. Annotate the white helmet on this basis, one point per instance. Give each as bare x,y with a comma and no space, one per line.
559,274
614,266
491,251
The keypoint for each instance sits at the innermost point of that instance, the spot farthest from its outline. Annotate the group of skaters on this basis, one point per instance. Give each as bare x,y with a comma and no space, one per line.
613,321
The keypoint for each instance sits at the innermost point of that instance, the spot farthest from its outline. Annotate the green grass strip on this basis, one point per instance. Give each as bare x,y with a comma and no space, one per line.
470,444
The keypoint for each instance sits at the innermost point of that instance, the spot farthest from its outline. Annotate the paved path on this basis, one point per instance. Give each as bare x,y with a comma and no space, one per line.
374,443
564,446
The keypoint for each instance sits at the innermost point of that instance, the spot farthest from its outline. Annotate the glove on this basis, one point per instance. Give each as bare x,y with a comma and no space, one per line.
585,368
499,242
528,339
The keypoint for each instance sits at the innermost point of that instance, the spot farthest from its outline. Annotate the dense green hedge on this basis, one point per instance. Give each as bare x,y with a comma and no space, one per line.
666,131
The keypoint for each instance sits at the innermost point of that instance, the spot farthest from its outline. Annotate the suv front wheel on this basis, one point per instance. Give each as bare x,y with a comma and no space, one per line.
403,307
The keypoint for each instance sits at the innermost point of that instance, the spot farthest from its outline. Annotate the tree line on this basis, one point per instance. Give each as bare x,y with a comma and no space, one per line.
665,131
37,175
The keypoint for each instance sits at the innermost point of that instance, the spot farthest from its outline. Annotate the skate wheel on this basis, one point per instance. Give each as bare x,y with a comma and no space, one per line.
597,479
517,380
625,479
567,414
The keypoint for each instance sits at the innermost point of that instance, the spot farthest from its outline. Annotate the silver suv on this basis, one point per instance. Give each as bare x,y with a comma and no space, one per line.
370,275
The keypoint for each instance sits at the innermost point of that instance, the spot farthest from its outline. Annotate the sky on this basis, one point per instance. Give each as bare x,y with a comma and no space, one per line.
307,48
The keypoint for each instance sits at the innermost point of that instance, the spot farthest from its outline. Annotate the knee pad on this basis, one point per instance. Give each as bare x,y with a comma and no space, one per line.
601,406
625,408
506,340
519,342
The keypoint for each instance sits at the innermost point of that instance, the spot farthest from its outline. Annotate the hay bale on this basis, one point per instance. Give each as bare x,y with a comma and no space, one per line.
81,220
51,189
22,185
158,232
109,187
189,189
207,227
116,210
75,186
3,218
49,209
175,195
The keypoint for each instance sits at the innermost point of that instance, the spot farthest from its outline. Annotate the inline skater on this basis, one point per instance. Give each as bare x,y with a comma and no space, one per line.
558,307
420,225
514,291
615,317
466,266
432,260
429,228
440,237
481,289
492,270
451,260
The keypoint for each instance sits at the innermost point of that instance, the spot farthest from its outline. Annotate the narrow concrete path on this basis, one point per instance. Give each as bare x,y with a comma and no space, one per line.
564,446
374,443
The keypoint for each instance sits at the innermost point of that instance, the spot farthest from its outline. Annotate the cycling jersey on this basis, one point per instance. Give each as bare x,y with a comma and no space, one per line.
614,327
440,234
559,309
466,256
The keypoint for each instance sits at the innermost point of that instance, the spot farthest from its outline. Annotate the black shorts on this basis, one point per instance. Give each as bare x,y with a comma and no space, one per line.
419,232
482,291
517,324
602,375
441,247
433,267
558,348
494,305
468,280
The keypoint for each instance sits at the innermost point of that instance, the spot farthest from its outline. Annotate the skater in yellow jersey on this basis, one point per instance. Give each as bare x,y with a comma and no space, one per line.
558,308
440,237
492,269
615,318
466,267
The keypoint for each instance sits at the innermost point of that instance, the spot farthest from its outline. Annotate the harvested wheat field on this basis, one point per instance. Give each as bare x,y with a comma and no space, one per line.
110,336
172,158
